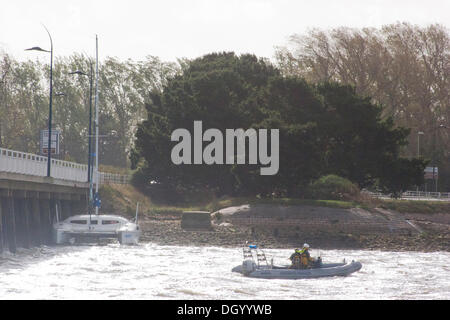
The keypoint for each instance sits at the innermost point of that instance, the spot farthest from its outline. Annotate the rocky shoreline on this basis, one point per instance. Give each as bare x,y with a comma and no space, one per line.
166,230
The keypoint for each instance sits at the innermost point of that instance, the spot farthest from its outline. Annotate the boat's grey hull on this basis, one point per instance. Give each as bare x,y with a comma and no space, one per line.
327,270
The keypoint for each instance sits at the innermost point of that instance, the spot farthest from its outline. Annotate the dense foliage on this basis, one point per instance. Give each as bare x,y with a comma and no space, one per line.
333,187
397,76
325,128
123,90
404,67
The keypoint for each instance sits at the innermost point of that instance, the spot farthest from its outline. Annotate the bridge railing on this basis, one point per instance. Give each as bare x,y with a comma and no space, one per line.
36,165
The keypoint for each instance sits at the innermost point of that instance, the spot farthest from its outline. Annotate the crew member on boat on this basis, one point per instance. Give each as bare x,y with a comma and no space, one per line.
296,259
301,259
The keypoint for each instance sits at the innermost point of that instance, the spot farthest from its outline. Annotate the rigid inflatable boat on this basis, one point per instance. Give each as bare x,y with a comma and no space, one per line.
255,265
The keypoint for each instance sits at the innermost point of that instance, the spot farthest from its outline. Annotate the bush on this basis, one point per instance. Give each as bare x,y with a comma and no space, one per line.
333,187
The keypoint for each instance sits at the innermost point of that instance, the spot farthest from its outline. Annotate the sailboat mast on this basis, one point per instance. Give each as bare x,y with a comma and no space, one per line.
97,180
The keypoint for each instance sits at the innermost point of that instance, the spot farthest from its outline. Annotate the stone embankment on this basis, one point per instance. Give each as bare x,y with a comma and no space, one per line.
276,226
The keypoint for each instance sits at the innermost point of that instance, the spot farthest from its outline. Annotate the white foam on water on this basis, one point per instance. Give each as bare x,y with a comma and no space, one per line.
150,271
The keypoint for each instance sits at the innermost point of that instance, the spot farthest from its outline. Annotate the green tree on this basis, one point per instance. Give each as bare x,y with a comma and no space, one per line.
22,100
71,111
357,139
324,129
220,90
401,174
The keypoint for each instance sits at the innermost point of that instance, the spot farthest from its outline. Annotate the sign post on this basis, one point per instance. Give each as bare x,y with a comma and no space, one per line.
43,142
431,173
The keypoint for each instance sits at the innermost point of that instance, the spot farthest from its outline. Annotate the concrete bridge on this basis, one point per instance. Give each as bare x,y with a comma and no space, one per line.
30,202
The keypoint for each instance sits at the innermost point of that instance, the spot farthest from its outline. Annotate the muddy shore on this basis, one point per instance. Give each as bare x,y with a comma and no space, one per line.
166,230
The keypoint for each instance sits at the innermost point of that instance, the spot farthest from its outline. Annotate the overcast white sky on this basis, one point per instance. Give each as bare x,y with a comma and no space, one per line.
173,29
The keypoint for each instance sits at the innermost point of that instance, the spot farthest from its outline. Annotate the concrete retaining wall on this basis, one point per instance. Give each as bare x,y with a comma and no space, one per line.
196,220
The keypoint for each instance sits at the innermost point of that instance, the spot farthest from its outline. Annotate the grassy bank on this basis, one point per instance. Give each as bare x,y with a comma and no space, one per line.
123,198
113,169
416,206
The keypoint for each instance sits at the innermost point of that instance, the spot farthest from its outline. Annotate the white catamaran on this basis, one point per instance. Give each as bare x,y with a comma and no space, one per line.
96,226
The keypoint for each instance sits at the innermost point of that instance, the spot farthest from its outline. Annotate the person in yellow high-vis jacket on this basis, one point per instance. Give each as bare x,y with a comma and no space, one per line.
296,258
307,260
301,259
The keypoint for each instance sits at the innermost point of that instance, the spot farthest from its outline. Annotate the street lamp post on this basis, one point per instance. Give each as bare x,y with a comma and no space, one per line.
441,126
420,133
49,157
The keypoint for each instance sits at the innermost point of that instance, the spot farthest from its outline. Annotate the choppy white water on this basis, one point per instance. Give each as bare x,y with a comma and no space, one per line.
150,271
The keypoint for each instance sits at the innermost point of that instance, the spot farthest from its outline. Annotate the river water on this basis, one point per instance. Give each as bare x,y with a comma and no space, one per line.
151,271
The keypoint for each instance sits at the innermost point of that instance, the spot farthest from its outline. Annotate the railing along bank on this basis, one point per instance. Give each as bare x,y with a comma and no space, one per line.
36,165
414,195
114,178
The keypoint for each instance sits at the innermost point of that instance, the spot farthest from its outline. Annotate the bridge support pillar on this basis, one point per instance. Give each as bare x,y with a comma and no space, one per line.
58,209
35,219
66,209
10,226
45,218
22,212
1,227
55,207
27,227
18,221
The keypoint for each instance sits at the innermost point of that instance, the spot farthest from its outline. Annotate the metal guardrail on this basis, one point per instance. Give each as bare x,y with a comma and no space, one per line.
36,165
422,194
114,178
414,195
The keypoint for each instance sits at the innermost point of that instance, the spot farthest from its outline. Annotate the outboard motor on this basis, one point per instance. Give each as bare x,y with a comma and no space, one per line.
248,266
318,263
